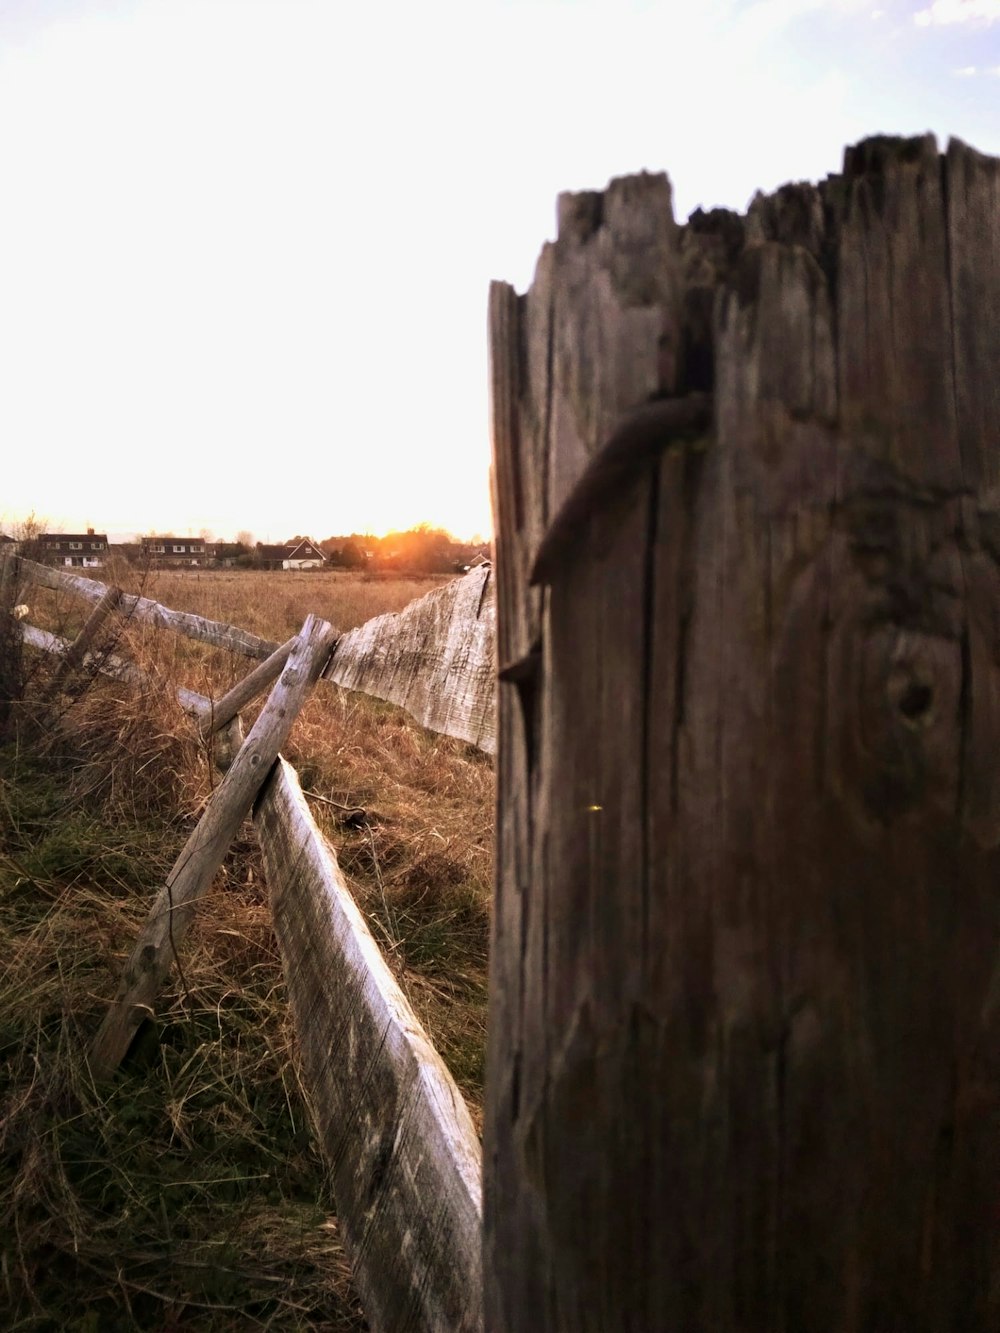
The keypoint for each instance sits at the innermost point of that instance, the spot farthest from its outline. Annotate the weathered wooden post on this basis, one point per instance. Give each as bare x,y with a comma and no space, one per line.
744,1067
11,647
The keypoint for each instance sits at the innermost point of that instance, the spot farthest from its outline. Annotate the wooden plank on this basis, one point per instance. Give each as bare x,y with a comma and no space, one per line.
742,1069
226,742
435,658
973,181
196,867
592,343
150,612
392,1124
77,651
116,668
245,691
894,318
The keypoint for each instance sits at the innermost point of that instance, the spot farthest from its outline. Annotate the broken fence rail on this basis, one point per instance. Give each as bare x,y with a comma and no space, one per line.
435,658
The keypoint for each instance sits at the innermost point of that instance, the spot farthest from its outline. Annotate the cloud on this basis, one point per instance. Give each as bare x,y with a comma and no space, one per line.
943,13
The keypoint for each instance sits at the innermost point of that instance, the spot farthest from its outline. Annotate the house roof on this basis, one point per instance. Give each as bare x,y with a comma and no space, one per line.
307,544
159,539
303,550
73,537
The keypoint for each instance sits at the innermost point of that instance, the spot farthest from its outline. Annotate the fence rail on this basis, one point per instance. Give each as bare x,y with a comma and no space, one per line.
435,658
394,1127
404,1156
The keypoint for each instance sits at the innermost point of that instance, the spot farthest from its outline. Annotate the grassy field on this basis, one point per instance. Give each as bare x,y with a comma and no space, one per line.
274,604
189,1195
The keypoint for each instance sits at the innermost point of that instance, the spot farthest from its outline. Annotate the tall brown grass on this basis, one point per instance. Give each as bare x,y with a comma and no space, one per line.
274,604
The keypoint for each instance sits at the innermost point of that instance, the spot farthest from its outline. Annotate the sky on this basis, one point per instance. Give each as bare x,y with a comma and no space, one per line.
246,245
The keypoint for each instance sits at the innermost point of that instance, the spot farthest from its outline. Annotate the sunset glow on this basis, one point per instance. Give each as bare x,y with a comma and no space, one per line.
245,245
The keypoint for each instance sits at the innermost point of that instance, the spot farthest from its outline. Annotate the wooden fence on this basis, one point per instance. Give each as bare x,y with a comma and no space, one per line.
436,658
397,1134
743,1063
742,1072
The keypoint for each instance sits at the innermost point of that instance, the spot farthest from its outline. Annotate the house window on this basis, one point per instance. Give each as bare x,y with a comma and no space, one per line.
52,546
178,550
76,546
97,546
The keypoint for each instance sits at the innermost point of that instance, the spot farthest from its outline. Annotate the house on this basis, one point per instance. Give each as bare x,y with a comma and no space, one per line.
172,551
477,562
301,554
78,550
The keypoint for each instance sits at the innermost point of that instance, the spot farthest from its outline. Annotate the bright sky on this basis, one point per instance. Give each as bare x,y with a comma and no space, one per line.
245,245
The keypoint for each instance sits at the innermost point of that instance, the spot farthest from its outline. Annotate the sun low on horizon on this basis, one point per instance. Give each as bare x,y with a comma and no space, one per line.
246,245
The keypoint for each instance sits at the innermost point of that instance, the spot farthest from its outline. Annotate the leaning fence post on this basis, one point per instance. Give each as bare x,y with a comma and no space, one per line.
744,1053
81,645
173,910
245,691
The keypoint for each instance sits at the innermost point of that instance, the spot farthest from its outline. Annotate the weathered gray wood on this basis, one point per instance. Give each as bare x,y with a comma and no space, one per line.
245,691
435,658
402,1149
116,668
226,742
144,610
743,1065
77,651
196,867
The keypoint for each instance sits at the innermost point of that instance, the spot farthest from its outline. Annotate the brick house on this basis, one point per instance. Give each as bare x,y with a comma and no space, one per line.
304,554
168,550
77,550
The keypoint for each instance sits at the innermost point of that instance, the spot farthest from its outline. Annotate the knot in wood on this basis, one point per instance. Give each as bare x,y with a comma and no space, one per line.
907,732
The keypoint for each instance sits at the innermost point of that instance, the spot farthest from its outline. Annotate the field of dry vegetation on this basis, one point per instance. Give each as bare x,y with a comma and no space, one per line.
188,1194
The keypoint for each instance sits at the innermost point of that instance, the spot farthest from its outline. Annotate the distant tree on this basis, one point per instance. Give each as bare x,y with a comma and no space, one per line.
26,532
352,556
206,534
245,538
422,549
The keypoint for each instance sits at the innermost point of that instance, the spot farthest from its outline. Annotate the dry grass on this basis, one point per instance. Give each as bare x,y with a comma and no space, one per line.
187,1193
274,604
189,1196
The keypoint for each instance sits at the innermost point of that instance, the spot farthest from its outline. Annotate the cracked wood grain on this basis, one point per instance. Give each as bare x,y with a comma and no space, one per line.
436,658
742,1069
392,1124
